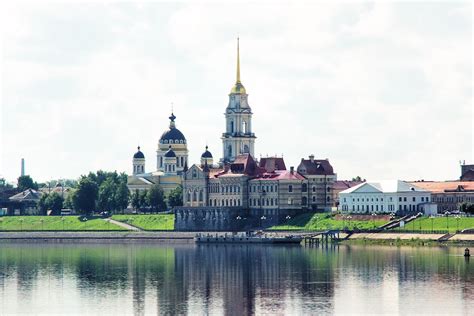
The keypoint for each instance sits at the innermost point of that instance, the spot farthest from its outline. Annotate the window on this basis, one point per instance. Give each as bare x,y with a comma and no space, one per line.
422,199
314,188
304,200
290,188
414,199
290,201
305,187
399,199
314,199
405,199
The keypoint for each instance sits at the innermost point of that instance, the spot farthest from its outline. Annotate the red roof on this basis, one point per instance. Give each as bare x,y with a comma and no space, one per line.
345,184
280,175
271,164
317,167
445,186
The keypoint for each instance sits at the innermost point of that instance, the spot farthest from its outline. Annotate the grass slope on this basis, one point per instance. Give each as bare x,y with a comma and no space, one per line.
148,222
320,222
440,223
59,223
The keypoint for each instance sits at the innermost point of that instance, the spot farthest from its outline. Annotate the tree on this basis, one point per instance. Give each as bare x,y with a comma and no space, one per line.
85,197
68,202
43,204
136,201
144,198
106,200
122,196
25,183
4,185
358,178
466,207
175,198
156,198
55,202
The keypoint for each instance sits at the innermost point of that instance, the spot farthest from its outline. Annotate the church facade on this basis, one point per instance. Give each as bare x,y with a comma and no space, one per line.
171,160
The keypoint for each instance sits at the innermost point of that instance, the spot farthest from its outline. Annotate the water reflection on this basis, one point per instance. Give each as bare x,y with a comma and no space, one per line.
233,279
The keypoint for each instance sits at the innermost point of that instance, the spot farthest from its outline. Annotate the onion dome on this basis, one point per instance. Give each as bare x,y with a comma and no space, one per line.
172,135
139,154
170,153
206,154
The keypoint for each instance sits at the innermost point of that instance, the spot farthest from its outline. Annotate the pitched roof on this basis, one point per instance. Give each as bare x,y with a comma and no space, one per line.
27,195
317,167
445,186
280,175
468,175
345,184
271,164
386,186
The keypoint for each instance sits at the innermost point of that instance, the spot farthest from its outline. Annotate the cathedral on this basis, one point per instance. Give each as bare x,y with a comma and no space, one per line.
259,192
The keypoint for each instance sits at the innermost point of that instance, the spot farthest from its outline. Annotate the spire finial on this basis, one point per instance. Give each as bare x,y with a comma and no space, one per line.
238,61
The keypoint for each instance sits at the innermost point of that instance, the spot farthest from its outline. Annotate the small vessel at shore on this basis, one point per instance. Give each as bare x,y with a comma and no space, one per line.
246,238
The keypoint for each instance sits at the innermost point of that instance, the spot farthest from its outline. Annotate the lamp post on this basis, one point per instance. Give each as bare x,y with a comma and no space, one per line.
432,219
348,219
457,222
447,220
373,219
261,220
62,220
21,224
42,222
419,222
1,223
288,217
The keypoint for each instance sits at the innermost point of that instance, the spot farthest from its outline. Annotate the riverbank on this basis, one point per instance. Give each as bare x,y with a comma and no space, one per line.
188,237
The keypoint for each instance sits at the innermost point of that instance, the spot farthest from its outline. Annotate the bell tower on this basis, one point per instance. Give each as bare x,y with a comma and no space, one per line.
238,137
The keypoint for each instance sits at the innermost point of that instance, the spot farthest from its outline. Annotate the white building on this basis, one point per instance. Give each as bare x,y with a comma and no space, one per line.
384,197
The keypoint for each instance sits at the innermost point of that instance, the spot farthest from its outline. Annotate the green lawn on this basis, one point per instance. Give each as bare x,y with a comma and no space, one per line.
69,223
440,223
320,222
148,222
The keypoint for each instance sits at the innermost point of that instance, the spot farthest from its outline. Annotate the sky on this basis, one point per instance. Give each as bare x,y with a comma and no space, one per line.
382,90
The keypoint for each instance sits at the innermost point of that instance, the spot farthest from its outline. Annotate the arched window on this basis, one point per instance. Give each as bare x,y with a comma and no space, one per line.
314,188
200,196
304,200
290,188
194,196
305,187
232,126
314,199
189,197
194,173
244,127
229,151
246,149
328,199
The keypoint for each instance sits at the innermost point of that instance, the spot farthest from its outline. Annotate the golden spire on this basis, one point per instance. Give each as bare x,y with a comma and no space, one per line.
238,62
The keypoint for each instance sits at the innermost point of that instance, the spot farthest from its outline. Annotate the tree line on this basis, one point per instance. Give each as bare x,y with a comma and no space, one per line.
104,191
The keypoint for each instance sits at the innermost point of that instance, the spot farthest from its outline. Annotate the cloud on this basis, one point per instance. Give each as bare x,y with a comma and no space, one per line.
380,89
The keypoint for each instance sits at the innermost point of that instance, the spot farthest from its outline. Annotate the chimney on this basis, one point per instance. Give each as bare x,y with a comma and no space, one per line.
292,169
311,157
22,167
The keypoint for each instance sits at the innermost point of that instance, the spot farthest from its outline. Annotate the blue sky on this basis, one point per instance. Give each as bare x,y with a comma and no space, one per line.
383,90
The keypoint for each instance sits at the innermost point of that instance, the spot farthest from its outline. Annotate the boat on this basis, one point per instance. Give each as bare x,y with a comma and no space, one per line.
246,238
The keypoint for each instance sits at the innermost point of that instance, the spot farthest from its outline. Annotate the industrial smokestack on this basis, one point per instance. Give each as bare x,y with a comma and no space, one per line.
22,167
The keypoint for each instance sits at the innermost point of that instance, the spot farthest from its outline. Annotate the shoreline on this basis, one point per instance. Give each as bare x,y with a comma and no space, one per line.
382,238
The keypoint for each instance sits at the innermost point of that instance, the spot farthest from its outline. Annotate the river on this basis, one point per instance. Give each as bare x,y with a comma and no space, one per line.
169,279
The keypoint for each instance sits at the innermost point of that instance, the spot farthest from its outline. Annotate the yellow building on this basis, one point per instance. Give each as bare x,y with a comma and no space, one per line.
171,160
